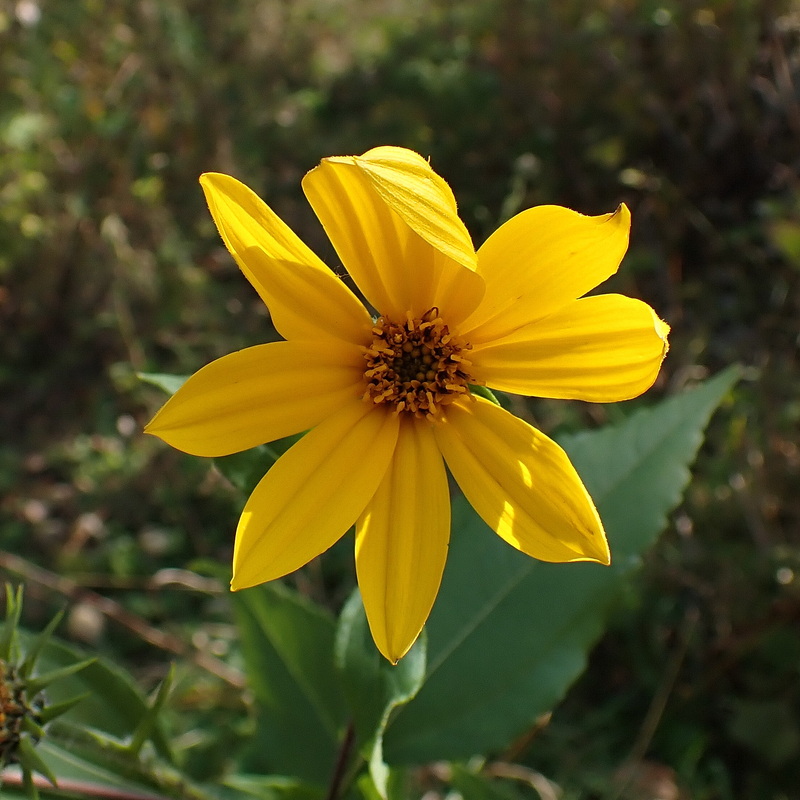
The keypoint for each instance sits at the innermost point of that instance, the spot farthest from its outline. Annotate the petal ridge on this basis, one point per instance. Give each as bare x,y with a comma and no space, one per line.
603,348
402,539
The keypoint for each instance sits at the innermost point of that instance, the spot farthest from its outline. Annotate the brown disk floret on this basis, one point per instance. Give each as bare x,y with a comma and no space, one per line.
416,366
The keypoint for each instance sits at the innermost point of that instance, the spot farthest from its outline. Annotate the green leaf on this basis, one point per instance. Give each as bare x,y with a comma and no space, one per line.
373,687
8,633
101,709
167,383
54,710
28,782
509,634
244,470
36,684
397,786
86,767
35,648
148,724
485,392
30,759
113,705
287,643
272,787
97,707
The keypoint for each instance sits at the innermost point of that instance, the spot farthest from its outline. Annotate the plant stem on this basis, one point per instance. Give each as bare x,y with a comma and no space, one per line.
341,763
82,788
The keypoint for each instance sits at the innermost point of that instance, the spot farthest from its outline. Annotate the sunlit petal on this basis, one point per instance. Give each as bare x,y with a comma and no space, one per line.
306,300
401,541
405,258
602,349
313,493
540,260
521,483
258,395
421,198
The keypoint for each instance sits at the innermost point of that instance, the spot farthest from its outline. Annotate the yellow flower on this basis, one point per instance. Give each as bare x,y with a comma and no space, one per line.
387,398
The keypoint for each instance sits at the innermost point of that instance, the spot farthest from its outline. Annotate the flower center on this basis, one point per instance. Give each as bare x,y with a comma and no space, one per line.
417,366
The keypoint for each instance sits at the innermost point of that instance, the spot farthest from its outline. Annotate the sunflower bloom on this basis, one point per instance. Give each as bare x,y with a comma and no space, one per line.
386,398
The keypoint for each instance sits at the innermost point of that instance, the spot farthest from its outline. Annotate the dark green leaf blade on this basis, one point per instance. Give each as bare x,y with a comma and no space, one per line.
112,703
287,643
244,470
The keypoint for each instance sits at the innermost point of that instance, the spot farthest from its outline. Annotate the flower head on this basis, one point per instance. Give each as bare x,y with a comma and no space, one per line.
24,712
386,397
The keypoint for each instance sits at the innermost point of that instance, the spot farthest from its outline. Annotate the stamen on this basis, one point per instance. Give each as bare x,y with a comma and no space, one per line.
417,366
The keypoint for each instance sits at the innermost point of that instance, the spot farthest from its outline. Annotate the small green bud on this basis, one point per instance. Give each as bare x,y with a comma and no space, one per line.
24,712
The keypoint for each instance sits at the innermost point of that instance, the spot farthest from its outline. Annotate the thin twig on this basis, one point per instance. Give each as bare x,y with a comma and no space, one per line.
82,788
119,614
178,579
544,787
341,763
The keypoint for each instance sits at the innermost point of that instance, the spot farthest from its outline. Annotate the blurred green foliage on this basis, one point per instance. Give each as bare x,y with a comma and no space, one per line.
687,110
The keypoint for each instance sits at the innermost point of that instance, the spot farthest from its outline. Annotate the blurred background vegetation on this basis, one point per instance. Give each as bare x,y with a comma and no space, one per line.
689,111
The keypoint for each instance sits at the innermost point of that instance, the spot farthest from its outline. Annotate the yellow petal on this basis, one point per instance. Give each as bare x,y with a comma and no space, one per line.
602,349
258,395
401,541
313,493
306,300
394,225
421,198
521,483
540,260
